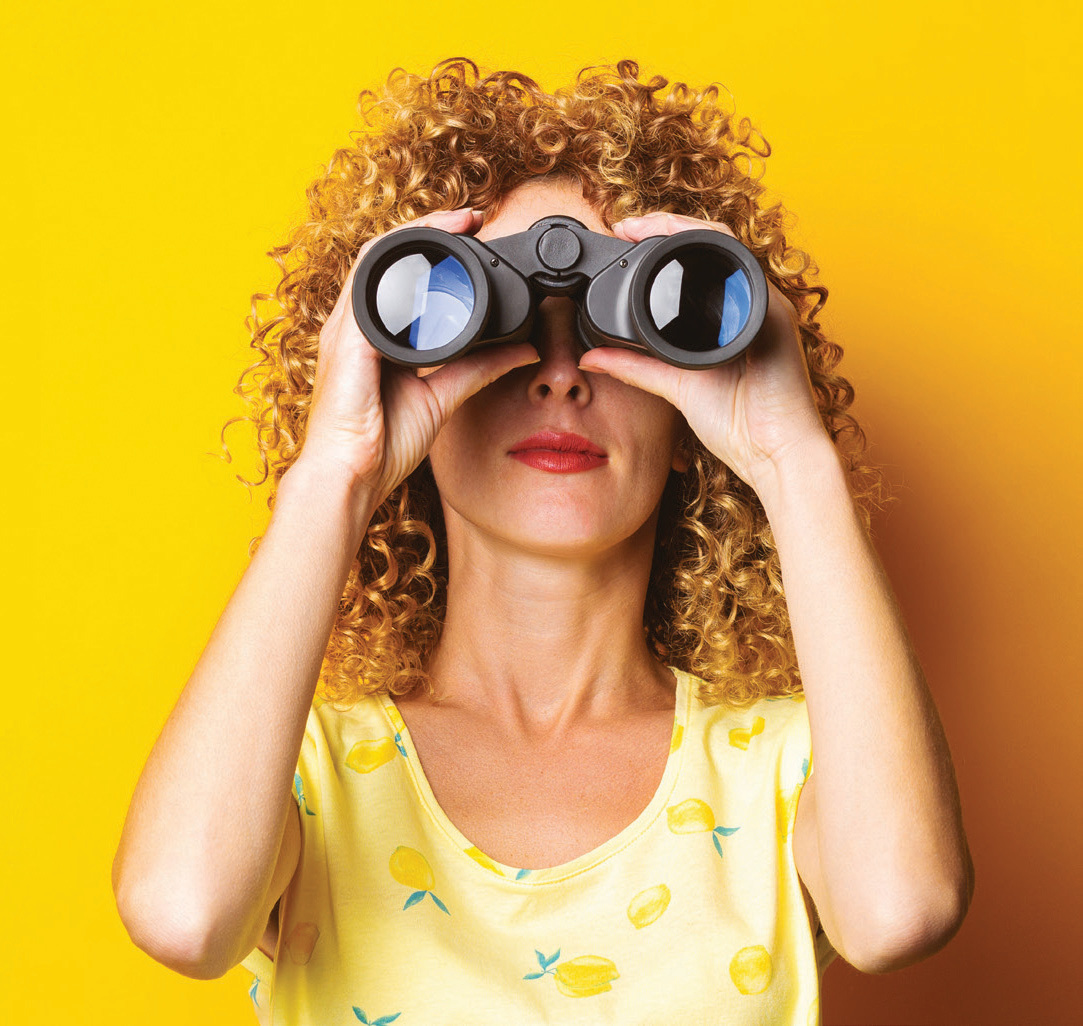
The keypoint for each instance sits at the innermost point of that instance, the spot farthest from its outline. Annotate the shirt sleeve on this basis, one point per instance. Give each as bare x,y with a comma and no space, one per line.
795,769
305,796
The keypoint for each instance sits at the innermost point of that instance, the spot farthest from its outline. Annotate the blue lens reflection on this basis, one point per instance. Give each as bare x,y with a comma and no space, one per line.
424,299
698,301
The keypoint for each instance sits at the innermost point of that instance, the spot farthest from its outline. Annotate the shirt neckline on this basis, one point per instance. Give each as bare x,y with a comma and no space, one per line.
582,863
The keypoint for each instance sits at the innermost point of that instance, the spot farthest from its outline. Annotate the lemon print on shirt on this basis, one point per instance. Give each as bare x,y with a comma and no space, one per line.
750,969
694,816
584,976
370,754
648,905
786,811
786,805
409,868
482,859
741,736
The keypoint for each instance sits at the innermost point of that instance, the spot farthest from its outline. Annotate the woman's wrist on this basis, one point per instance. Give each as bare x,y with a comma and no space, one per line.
815,463
333,491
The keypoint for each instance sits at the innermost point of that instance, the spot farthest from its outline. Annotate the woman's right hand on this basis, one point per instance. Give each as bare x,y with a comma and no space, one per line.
374,421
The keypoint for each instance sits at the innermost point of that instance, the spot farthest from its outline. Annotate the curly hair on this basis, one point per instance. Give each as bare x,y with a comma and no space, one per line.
715,604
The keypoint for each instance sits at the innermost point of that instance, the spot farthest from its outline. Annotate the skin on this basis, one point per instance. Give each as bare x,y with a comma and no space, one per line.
542,673
543,644
551,568
549,729
549,572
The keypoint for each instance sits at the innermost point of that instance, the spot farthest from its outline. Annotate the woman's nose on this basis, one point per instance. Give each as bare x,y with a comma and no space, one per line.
557,376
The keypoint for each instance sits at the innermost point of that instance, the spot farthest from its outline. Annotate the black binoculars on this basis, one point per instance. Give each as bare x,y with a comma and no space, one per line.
695,299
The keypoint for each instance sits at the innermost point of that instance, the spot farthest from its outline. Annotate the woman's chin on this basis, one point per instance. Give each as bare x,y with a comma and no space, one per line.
560,534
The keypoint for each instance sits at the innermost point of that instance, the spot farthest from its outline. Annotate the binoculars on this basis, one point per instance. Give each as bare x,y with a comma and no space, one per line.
695,299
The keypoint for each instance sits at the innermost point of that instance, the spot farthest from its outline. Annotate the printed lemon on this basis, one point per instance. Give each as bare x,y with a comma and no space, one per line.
301,941
690,817
648,905
396,718
741,736
678,737
410,869
482,859
750,969
585,976
365,756
786,811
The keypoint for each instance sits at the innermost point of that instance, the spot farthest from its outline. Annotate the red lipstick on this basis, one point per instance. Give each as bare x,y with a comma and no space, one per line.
558,452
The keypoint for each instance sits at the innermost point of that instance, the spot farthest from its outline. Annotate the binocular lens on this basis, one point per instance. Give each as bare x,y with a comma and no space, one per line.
699,300
424,297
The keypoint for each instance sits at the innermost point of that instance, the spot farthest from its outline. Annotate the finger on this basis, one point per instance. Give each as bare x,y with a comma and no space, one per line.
453,383
636,369
464,221
635,229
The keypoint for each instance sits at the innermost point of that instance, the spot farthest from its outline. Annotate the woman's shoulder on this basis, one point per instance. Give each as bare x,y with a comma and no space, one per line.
776,708
337,726
771,722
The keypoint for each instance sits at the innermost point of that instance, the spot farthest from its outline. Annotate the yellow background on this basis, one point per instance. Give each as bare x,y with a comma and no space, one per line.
931,151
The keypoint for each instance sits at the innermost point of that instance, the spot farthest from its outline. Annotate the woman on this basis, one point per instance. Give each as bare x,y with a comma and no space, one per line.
479,714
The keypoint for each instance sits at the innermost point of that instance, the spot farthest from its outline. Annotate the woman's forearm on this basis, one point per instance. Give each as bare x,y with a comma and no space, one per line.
207,818
880,842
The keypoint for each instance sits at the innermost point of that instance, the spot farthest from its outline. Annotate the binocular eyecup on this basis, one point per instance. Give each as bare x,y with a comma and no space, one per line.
695,299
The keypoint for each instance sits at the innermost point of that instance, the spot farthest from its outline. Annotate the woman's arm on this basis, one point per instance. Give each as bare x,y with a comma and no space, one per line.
211,841
879,839
211,838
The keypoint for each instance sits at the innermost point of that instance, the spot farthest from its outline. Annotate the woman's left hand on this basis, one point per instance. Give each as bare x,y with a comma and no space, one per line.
753,412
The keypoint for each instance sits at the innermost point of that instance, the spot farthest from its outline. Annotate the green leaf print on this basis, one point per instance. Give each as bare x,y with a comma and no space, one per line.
410,868
382,1021
584,976
723,832
299,790
544,962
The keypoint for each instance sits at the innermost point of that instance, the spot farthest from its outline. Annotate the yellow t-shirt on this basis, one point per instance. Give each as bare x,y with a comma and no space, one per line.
691,914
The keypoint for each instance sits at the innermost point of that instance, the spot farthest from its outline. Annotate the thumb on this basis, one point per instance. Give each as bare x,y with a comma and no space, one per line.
454,383
635,368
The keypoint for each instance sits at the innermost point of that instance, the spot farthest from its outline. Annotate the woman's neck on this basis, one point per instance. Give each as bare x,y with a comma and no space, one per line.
540,642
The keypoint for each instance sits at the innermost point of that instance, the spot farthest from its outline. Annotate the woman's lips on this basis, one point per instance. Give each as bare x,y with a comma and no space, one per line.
558,452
